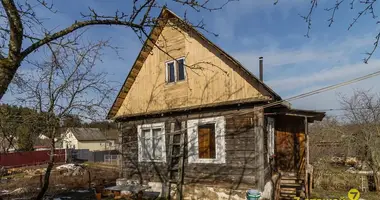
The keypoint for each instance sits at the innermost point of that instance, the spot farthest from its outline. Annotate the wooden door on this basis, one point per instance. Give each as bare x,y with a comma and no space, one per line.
290,146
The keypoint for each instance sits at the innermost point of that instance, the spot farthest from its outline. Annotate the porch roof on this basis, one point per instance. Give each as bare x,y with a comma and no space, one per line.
285,109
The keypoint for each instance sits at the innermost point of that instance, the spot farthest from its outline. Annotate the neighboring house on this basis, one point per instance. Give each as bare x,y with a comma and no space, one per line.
92,139
112,136
231,131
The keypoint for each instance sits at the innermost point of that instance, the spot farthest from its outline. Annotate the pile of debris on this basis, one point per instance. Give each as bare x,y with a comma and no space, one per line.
71,169
34,172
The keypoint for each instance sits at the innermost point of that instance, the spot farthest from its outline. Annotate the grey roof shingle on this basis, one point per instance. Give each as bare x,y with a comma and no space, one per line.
87,134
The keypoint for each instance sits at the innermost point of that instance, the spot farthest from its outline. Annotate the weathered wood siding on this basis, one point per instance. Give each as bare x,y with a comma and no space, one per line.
242,159
210,77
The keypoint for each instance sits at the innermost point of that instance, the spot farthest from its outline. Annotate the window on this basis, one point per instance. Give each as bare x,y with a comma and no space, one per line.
171,72
181,69
151,142
175,70
206,140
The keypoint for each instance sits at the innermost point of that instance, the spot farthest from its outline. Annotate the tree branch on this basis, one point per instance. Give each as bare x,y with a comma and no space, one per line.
16,29
72,28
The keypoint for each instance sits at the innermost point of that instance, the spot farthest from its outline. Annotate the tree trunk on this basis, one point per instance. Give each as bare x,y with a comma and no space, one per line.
7,72
48,170
377,180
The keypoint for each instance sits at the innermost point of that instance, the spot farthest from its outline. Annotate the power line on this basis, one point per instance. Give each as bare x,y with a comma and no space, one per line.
300,96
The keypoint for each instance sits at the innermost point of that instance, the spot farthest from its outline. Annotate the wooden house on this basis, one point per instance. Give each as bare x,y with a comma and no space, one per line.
195,122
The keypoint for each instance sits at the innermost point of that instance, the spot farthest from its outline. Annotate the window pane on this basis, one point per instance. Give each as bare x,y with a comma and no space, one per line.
181,69
170,71
145,145
157,144
206,141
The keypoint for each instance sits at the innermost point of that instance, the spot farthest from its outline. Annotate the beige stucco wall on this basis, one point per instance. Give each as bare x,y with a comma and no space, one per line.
210,77
93,145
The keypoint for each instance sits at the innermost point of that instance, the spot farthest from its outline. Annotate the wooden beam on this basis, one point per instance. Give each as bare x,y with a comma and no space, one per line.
259,134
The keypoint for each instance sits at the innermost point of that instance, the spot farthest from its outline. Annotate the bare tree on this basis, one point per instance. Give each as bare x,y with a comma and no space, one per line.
361,7
362,110
65,84
23,27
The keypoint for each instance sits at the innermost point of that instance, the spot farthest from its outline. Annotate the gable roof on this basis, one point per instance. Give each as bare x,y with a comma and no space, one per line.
112,134
87,134
148,45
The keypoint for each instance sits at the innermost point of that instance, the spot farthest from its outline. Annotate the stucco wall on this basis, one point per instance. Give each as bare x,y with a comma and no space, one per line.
93,145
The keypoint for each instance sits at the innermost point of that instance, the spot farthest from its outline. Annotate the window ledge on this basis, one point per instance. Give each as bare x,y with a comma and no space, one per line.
207,161
175,83
152,161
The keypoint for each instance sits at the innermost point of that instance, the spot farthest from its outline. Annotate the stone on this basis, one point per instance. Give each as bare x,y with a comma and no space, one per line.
268,191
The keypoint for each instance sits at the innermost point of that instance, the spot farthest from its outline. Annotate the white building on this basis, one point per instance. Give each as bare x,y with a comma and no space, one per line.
92,139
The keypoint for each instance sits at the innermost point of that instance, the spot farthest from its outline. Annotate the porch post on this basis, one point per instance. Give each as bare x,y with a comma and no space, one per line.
307,158
259,134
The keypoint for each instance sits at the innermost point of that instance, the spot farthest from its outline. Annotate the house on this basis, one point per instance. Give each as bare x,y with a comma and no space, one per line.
193,118
92,139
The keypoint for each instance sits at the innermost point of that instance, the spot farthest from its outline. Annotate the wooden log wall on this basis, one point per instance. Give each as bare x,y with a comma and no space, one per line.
240,169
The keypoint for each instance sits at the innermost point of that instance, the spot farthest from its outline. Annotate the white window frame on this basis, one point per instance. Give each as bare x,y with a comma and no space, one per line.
139,137
175,70
220,145
271,136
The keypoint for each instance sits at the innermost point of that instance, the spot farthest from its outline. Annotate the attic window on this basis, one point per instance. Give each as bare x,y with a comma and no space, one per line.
175,70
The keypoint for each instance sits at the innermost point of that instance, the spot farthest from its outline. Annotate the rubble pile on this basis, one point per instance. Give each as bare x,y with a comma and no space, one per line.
71,170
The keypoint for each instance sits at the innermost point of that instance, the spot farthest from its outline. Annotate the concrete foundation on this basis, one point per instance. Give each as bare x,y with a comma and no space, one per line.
195,191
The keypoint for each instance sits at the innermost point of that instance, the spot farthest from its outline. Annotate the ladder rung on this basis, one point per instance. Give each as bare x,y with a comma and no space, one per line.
173,181
176,156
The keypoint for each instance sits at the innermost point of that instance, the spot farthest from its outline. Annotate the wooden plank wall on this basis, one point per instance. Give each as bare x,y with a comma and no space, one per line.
210,77
241,165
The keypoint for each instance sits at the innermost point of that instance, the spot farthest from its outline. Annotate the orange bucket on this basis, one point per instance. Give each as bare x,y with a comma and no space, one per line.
98,196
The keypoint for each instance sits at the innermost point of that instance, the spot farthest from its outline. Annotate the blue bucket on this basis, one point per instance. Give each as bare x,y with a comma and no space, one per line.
253,195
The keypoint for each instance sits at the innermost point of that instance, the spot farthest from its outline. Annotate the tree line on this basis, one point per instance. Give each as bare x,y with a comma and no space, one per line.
20,127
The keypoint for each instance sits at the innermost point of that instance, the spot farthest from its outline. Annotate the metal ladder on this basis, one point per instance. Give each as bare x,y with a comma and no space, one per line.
176,160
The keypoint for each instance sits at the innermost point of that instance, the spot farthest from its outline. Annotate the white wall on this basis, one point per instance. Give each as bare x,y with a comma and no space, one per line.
99,145
69,141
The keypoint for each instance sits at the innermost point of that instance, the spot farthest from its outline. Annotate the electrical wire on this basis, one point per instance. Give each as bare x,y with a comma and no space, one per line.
300,96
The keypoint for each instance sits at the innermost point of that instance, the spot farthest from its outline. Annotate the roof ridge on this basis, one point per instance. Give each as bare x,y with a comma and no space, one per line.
112,112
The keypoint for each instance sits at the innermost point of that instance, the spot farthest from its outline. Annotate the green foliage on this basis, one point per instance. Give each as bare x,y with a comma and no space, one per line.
71,121
102,125
19,127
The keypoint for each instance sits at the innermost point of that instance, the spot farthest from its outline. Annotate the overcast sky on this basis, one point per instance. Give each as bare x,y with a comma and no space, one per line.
247,29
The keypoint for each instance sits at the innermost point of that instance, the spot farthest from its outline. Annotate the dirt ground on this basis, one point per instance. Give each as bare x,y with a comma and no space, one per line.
341,194
25,182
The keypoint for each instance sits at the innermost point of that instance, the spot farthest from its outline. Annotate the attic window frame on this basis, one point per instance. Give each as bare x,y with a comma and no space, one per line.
176,70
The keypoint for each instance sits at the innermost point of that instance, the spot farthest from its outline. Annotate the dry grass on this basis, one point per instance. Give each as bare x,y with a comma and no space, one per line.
331,194
59,181
333,182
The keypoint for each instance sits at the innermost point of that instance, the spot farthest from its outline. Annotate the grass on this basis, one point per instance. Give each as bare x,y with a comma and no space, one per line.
333,182
16,175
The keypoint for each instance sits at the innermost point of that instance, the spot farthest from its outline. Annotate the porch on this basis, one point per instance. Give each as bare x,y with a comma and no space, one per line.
290,159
